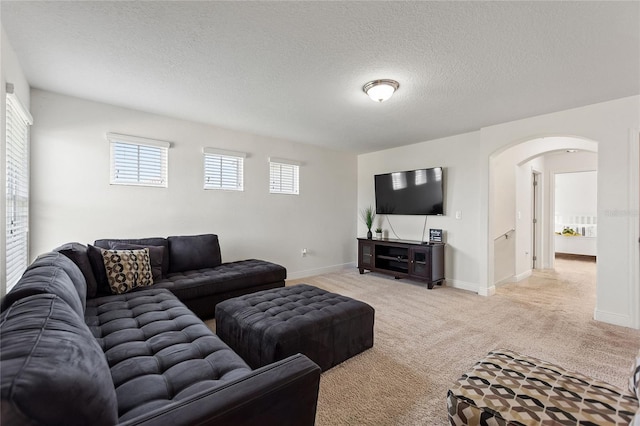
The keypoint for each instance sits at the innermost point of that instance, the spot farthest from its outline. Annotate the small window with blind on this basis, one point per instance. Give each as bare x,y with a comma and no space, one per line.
223,169
284,176
138,161
18,121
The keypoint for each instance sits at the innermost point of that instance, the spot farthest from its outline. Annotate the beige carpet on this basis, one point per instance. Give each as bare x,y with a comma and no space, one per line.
425,339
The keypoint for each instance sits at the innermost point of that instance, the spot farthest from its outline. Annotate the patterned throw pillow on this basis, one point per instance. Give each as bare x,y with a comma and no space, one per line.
155,256
127,269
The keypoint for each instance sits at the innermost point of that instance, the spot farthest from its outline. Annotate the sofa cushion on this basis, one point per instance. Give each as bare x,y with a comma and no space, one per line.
223,279
53,370
51,273
78,254
145,242
99,272
192,252
127,269
158,350
156,254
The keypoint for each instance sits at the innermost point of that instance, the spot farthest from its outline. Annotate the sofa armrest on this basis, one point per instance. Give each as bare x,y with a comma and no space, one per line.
282,393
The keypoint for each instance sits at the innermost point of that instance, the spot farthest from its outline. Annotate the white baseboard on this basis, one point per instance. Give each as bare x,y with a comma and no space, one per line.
522,276
504,281
487,291
514,278
612,318
319,271
474,287
462,285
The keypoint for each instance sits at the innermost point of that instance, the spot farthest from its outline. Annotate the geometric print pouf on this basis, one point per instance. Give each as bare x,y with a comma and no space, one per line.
507,388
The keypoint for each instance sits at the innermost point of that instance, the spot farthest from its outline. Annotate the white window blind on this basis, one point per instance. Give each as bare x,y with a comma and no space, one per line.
284,176
223,169
18,120
138,161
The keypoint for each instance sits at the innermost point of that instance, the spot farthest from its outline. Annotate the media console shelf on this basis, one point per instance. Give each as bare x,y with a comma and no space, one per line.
403,259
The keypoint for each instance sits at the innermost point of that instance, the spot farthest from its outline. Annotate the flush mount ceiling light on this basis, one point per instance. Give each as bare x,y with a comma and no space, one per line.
380,90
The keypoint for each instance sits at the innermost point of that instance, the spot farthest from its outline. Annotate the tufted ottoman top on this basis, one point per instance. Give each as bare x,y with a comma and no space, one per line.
157,350
269,325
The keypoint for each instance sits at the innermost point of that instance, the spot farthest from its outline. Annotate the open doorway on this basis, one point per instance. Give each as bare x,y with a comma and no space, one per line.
522,180
575,216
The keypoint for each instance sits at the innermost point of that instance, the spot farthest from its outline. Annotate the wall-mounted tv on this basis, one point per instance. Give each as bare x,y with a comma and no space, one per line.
415,192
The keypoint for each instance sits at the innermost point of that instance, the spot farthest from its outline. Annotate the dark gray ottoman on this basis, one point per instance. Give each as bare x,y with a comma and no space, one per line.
270,325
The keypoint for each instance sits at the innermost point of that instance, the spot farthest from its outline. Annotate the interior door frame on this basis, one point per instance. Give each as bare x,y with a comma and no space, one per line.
634,222
536,219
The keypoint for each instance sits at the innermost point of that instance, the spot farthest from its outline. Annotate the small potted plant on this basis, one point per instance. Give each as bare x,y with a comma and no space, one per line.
379,233
368,214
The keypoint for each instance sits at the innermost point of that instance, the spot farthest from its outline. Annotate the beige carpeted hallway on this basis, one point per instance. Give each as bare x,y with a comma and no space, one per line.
425,339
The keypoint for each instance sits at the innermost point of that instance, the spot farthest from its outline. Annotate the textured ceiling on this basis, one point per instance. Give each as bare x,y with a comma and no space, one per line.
295,70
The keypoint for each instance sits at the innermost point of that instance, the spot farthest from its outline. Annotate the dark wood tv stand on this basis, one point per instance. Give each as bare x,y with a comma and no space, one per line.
403,259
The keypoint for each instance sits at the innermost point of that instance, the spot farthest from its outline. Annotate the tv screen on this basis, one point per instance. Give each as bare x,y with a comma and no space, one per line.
416,192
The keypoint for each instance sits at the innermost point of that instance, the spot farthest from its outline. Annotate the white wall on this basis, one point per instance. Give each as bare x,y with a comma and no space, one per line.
458,155
503,217
512,207
512,212
574,201
575,207
73,201
613,125
578,201
576,195
510,198
503,177
10,72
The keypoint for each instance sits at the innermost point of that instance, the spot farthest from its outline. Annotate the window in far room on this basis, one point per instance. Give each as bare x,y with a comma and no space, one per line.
284,176
138,161
223,169
18,121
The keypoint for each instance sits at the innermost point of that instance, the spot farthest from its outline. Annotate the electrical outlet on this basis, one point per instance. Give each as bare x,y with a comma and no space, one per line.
304,252
458,214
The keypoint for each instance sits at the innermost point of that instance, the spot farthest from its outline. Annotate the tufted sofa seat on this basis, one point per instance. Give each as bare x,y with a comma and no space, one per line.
157,350
203,289
136,358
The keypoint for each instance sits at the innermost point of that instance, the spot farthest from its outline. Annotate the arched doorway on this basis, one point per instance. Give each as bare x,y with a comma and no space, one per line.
521,225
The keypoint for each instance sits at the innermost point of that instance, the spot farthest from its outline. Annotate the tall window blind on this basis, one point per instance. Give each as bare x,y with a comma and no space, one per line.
18,121
138,161
284,176
223,169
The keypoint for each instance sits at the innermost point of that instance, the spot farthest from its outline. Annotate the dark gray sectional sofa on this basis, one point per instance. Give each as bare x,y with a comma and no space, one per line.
140,357
189,266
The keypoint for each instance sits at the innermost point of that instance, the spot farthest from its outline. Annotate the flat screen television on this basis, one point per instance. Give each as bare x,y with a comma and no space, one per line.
415,192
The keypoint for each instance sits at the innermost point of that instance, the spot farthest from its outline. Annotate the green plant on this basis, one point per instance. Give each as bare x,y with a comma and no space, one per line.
378,230
368,214
569,232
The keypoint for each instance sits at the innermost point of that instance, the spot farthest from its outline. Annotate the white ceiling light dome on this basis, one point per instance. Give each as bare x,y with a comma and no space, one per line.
380,90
